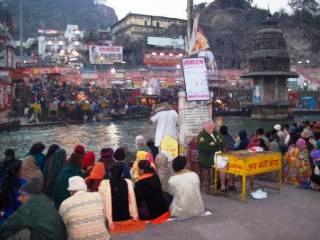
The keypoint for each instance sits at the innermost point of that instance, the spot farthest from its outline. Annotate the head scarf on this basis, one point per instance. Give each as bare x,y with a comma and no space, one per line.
106,153
141,155
88,160
301,143
79,149
164,171
98,172
52,169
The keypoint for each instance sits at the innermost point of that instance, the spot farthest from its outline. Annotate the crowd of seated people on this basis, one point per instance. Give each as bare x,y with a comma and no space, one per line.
49,195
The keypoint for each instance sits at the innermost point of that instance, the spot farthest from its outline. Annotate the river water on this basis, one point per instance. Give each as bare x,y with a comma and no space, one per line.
113,134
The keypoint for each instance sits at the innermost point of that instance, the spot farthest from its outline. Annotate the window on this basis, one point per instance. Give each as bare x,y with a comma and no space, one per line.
145,23
158,24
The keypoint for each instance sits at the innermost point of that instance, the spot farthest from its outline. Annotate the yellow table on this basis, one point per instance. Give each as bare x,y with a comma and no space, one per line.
246,164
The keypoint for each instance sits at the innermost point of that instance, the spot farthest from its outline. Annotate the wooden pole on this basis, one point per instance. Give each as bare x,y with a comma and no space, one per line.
21,29
190,19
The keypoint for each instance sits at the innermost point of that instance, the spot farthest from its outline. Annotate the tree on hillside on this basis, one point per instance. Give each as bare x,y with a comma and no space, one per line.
5,17
304,5
239,4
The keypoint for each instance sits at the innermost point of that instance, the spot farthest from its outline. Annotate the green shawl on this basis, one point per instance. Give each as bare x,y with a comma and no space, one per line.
60,192
52,169
38,215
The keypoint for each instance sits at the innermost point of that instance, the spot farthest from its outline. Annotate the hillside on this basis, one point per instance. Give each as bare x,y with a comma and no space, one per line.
230,26
57,14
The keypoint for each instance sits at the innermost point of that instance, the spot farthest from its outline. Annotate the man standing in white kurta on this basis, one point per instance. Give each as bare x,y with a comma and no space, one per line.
167,121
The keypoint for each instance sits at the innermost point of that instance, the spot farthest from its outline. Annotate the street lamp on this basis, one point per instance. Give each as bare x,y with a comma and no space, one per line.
113,70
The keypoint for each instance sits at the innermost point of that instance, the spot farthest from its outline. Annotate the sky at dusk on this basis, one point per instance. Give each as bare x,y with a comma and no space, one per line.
174,8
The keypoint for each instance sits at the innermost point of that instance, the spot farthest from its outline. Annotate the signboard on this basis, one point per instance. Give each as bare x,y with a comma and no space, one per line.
253,163
174,43
105,54
192,115
196,79
170,146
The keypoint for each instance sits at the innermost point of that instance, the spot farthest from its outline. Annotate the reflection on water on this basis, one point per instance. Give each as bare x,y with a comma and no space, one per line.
110,134
93,136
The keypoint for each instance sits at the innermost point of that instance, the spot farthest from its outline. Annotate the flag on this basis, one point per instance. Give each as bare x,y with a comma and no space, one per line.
197,41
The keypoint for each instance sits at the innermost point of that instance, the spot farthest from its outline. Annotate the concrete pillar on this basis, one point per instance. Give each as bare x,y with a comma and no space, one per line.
276,90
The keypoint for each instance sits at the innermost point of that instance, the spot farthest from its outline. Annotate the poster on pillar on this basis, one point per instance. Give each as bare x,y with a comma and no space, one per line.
196,79
192,115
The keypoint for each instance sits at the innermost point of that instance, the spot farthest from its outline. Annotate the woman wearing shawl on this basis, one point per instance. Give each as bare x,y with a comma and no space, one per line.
52,169
71,169
36,151
151,203
120,203
164,171
30,167
141,155
52,149
97,174
297,165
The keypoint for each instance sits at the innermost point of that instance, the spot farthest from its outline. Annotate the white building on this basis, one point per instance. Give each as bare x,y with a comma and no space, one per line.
56,47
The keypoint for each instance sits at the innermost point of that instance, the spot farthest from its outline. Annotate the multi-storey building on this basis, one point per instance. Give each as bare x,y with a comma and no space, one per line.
137,26
132,32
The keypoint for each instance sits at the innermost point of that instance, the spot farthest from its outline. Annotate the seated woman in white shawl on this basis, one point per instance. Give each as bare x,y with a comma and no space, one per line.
184,186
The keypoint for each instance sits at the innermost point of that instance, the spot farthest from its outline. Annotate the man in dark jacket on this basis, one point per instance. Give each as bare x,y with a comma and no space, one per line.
208,142
36,219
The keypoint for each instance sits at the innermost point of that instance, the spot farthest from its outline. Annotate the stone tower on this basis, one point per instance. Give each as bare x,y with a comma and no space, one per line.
269,67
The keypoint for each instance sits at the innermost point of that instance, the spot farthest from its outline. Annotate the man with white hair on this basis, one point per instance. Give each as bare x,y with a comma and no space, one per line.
282,137
83,212
208,142
140,142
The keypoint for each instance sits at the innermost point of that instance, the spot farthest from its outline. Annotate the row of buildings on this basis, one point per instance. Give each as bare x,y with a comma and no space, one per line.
145,41
136,49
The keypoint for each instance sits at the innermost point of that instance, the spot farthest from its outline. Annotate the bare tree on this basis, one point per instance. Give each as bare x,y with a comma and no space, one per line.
304,5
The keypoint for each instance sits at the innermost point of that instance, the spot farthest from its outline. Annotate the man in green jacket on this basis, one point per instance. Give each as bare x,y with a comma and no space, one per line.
36,219
208,142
